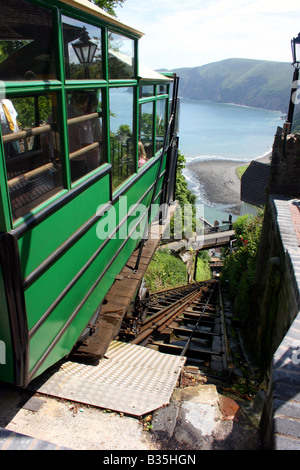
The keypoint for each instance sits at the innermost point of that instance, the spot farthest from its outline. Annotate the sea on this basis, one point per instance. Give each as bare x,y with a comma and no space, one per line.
215,131
210,131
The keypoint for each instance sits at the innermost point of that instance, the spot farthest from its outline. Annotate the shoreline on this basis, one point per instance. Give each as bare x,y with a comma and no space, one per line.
233,104
218,179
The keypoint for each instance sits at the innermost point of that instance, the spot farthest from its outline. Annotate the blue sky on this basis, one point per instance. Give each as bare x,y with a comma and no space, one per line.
189,33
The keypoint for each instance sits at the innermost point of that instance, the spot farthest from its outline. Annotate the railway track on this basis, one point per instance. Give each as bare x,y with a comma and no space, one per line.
188,321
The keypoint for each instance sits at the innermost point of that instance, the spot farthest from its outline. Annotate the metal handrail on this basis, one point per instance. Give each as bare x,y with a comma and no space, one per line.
35,131
32,132
30,174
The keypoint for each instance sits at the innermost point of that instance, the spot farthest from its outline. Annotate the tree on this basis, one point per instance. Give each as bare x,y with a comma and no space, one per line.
108,5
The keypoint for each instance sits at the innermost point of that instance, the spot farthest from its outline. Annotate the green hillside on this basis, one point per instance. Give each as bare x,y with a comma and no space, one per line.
257,83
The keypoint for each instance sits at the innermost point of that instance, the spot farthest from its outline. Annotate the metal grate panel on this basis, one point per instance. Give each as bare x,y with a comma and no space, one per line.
129,379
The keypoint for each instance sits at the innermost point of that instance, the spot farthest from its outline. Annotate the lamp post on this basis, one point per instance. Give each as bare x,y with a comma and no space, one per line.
85,51
295,43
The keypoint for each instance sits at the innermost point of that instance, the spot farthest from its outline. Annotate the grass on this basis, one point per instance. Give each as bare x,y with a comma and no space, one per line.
203,271
165,271
241,170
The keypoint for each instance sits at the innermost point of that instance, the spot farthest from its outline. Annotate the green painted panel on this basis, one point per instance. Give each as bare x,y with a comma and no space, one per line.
47,333
40,295
40,241
48,287
70,337
44,291
141,185
51,328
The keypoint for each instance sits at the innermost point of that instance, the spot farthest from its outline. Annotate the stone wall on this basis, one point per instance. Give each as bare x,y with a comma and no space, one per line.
285,168
276,299
273,329
276,324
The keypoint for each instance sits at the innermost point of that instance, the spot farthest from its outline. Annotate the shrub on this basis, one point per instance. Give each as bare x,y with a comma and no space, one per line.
165,270
240,266
203,269
184,197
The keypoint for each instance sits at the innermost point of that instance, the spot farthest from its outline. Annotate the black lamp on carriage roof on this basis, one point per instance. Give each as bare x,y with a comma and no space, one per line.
295,44
85,50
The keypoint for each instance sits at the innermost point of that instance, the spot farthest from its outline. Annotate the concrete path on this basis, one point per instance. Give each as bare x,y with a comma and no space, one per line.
197,418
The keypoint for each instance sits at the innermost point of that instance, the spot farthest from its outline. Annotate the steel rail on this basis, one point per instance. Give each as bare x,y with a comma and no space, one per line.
193,326
226,345
193,285
157,303
159,320
197,324
183,301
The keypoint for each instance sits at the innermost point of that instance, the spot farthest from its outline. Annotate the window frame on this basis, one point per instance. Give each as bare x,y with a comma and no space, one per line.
81,18
61,86
155,99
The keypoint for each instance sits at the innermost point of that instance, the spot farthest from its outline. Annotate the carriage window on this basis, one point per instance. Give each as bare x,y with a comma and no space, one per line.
161,108
85,132
31,143
120,57
162,89
121,137
26,42
145,146
146,91
82,50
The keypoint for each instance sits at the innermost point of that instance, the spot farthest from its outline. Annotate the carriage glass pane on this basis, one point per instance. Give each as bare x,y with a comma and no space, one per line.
75,68
160,123
120,57
145,146
121,134
146,91
86,149
26,42
162,89
31,142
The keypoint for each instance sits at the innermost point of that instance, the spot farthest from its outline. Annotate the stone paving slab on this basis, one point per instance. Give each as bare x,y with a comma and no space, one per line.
199,418
10,440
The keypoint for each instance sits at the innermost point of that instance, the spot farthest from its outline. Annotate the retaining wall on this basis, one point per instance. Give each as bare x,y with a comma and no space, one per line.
279,331
273,328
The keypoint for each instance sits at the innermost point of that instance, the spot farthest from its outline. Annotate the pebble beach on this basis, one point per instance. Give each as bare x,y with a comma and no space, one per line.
219,179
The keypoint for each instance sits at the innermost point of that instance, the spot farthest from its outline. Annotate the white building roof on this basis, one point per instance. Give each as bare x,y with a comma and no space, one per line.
89,7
